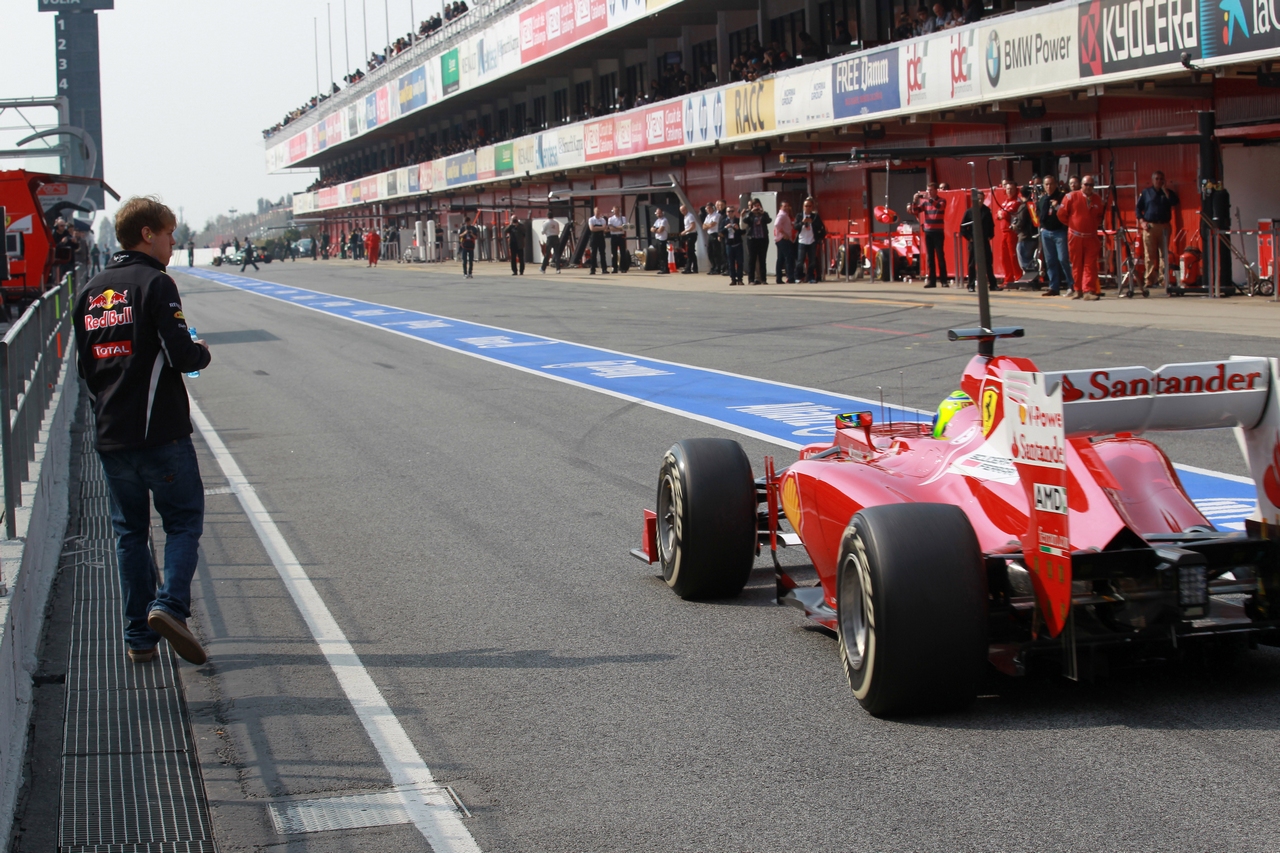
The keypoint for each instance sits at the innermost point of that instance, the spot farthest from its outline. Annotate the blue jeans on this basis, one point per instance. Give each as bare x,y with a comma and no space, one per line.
171,474
1056,260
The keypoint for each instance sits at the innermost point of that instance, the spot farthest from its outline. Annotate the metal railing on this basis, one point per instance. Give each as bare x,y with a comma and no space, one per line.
30,358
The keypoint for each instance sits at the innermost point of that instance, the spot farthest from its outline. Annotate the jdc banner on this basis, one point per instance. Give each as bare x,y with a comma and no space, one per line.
865,84
941,69
1126,35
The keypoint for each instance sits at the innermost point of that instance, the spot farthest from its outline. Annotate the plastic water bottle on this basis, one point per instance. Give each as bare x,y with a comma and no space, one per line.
192,329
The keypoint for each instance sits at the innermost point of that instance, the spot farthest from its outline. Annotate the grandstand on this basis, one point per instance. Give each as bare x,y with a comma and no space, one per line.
636,105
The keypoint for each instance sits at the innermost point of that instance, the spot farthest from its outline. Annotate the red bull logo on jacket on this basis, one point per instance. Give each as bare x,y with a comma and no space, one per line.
107,301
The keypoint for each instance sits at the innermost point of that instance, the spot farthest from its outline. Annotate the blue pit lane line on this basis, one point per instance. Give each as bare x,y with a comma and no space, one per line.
789,415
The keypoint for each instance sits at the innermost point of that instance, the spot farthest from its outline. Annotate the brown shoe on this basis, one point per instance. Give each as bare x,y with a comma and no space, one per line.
1075,294
142,655
1091,297
179,636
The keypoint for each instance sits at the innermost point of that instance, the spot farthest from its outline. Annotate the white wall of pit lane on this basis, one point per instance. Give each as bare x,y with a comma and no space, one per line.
1033,53
28,565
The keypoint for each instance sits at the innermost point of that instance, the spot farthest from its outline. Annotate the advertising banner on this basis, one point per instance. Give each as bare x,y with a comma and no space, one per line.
598,139
412,91
327,198
802,98
438,181
485,164
424,177
370,115
1232,27
313,139
525,150
460,169
1126,35
1032,52
450,74
504,161
333,126
369,188
865,84
434,90
703,117
297,147
941,69
553,25
749,108
351,119
413,183
498,49
624,11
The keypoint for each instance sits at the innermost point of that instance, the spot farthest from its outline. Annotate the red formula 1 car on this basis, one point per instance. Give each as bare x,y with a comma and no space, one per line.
1029,522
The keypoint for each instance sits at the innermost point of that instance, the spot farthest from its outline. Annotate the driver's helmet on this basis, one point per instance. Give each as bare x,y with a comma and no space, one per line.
947,409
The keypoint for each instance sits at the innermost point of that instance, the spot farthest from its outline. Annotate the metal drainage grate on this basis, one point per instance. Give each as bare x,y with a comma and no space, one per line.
130,778
352,811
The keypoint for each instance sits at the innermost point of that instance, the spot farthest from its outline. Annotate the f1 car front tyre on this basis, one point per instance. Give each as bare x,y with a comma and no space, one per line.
911,608
706,518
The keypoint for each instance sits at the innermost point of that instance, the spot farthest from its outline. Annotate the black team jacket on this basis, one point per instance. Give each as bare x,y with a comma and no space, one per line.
133,346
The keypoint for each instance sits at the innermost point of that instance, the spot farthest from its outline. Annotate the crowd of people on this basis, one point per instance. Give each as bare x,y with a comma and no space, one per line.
936,18
432,25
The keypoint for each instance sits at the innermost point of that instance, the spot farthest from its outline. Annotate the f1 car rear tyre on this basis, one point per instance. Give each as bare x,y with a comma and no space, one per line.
911,608
706,518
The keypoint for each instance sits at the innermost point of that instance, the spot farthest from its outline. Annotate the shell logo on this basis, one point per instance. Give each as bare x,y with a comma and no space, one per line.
1022,413
791,502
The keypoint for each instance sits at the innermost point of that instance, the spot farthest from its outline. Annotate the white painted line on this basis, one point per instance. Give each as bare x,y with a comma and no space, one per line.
1235,478
433,812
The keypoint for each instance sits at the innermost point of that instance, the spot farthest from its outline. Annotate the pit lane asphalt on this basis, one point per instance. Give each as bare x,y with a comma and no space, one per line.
468,527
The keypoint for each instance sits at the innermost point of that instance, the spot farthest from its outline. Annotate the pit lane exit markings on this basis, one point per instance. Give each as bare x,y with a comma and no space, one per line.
776,412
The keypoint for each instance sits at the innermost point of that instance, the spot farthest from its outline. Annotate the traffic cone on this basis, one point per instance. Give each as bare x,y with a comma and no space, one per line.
671,258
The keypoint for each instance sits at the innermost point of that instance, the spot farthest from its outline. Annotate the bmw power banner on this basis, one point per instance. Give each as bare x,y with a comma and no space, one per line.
1037,52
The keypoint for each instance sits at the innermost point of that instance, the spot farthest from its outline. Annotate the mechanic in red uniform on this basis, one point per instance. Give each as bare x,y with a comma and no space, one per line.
372,246
931,209
1081,211
1007,204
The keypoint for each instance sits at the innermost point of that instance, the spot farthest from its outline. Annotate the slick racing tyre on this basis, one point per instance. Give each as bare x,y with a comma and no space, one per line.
706,518
911,608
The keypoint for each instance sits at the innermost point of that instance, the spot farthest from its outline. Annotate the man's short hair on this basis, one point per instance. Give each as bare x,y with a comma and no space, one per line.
933,185
141,212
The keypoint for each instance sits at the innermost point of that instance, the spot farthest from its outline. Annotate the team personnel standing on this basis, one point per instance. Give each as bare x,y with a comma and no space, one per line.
988,228
660,233
689,240
551,243
755,227
810,232
1081,211
95,258
618,241
931,209
514,232
1155,214
133,346
1053,238
249,256
372,247
1007,202
711,227
597,225
733,246
784,243
467,237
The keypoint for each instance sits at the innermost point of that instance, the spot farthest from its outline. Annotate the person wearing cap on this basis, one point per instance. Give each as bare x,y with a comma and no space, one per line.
1082,212
931,209
1155,214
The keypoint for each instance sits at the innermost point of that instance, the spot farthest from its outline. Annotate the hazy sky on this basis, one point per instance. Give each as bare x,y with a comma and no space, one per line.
187,87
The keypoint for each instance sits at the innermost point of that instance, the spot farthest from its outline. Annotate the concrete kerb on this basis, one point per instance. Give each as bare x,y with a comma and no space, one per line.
29,564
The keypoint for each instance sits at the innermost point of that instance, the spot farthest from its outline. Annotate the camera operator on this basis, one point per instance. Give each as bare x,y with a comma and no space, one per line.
931,210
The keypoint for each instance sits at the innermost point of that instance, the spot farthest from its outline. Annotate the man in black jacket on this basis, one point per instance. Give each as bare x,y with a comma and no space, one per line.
133,346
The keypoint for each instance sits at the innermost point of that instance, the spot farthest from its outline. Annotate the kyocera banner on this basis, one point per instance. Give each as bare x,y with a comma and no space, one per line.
1031,52
865,84
1238,26
1125,35
942,69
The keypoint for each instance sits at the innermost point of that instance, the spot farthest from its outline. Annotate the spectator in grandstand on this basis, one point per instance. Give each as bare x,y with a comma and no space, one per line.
810,232
1007,203
1082,211
514,233
755,226
810,50
905,28
1053,238
784,243
931,209
842,37
597,225
972,12
931,23
1155,214
733,246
